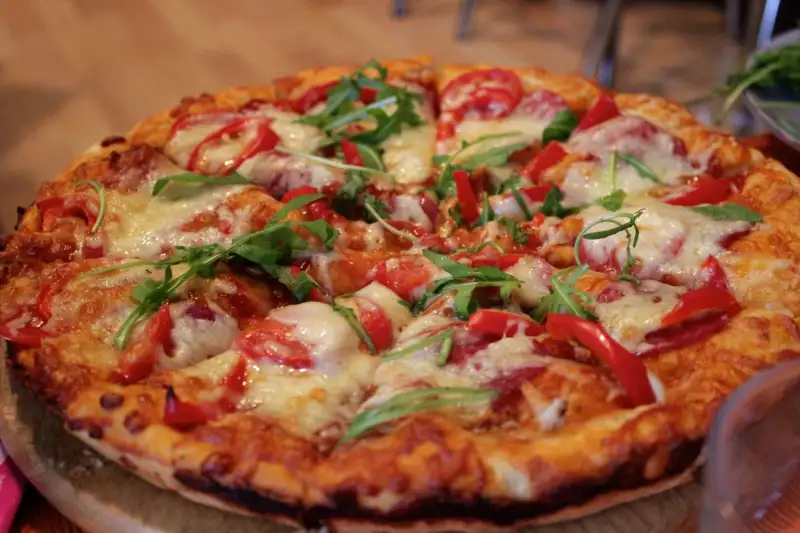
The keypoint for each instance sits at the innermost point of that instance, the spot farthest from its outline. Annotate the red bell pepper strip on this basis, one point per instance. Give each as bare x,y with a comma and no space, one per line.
315,295
696,301
550,156
73,205
603,109
182,415
537,193
489,257
189,120
627,368
265,139
312,97
705,191
716,275
377,324
499,323
28,336
467,201
351,155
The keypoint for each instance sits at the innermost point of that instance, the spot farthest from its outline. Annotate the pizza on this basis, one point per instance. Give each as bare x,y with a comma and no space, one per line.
399,297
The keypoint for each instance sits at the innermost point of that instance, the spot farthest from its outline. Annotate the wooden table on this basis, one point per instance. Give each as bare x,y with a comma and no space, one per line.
37,516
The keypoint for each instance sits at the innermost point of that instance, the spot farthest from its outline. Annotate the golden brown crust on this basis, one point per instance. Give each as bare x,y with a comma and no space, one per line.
249,464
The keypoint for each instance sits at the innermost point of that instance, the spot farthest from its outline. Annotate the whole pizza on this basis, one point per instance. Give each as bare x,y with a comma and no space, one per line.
399,297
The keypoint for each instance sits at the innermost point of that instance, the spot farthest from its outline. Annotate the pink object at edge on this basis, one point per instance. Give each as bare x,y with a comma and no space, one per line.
10,491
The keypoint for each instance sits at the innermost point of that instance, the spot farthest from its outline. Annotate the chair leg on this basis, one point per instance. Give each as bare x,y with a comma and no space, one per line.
600,57
465,11
399,8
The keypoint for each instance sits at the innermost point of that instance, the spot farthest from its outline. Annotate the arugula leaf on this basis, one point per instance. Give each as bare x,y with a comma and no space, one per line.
560,128
494,156
371,156
518,235
487,213
331,162
514,181
376,211
350,316
729,211
640,167
411,349
552,207
454,268
410,402
521,202
562,297
455,214
300,286
234,178
447,347
345,201
632,239
481,246
101,196
613,201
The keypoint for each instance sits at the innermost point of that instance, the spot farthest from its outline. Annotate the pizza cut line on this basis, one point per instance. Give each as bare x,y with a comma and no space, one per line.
394,297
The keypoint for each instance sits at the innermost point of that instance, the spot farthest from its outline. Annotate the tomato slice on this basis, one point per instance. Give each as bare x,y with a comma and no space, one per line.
499,323
494,92
376,322
550,156
704,191
274,341
406,275
603,109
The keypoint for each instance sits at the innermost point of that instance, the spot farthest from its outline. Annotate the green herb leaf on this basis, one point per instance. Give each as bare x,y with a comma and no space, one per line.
518,235
101,197
640,167
371,156
407,403
376,210
345,202
331,162
629,223
613,201
729,211
351,318
378,207
521,202
552,207
447,347
560,128
293,205
417,346
234,178
563,297
487,213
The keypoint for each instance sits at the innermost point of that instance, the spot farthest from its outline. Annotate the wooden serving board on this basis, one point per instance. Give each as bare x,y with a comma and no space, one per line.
101,497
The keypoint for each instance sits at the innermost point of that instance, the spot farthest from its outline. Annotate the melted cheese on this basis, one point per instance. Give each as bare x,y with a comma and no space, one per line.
389,302
638,313
674,240
195,340
374,236
507,206
751,274
280,174
325,331
534,273
407,155
529,131
321,263
147,224
586,182
407,208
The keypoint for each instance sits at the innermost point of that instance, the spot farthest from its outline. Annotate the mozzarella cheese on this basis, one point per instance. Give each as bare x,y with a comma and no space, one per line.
534,273
521,129
506,206
147,224
195,339
407,208
674,240
280,174
586,182
388,301
407,155
637,313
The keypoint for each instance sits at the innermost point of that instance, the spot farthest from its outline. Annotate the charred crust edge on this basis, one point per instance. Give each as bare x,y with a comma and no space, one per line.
628,476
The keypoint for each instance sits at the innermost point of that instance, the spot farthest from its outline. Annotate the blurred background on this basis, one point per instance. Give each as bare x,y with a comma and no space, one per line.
75,71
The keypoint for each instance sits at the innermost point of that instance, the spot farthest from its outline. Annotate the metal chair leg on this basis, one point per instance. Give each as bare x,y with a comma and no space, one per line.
465,11
399,8
600,58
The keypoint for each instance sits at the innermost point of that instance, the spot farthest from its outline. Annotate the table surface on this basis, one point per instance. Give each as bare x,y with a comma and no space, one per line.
37,516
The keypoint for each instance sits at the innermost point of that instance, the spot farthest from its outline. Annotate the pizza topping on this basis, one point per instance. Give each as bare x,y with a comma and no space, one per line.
410,402
561,127
408,275
534,273
274,341
552,154
197,332
499,323
627,368
728,212
467,201
23,331
604,109
74,205
262,138
264,248
182,415
486,94
674,241
233,178
706,190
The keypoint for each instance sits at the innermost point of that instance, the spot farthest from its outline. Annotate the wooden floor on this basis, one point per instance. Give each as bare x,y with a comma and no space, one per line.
74,71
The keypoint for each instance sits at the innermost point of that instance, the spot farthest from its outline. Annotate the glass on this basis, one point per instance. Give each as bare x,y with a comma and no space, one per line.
752,478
